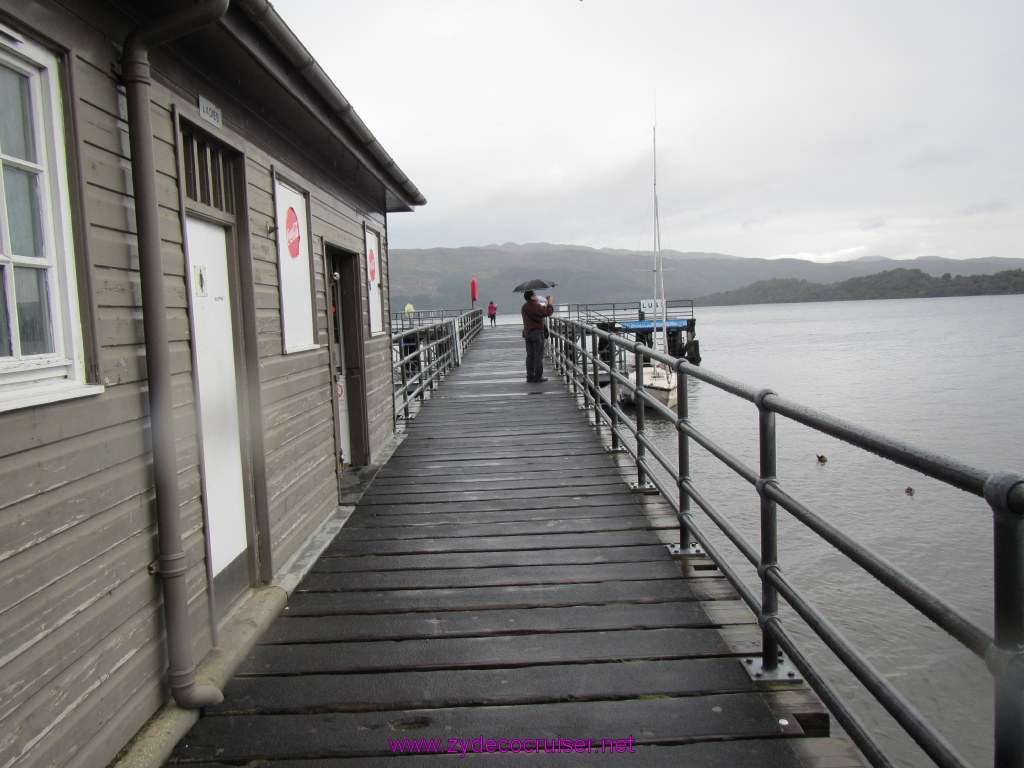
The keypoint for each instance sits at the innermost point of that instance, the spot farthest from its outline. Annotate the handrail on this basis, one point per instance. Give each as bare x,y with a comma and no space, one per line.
423,355
418,318
625,311
1002,651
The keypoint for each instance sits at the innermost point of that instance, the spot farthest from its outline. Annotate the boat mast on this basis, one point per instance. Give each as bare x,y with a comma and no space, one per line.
659,272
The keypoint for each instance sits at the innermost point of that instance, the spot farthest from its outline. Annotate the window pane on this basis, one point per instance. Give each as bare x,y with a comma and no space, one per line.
21,194
34,327
5,323
15,116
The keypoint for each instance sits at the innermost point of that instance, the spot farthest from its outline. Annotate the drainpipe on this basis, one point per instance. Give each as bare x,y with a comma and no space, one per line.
135,73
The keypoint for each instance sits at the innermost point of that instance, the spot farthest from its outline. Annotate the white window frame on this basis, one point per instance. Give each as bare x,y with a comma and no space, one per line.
27,380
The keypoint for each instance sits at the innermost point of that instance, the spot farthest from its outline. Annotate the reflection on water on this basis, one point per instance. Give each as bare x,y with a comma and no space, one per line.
926,371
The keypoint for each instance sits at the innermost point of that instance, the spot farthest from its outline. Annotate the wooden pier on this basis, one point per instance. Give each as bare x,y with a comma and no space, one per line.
498,586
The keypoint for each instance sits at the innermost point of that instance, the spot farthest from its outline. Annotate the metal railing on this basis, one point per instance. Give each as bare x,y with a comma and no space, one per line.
574,346
618,312
423,355
418,318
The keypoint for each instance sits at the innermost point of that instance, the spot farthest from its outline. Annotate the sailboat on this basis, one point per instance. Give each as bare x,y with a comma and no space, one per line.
658,379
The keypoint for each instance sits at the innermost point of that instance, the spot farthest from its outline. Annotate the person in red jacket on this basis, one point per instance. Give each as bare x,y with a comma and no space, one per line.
533,313
492,312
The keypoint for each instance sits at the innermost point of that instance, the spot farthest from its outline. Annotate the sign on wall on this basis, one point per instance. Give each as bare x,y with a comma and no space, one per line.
373,280
294,268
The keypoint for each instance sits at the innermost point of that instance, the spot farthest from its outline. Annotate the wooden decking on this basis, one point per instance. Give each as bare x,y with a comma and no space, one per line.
498,581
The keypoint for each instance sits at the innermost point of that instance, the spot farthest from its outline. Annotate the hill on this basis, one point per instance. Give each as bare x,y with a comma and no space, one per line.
438,278
892,284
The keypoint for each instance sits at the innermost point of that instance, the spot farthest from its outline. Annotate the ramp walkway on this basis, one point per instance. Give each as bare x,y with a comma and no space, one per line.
499,593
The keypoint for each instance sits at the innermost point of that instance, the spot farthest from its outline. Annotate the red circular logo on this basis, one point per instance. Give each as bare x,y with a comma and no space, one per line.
291,232
371,264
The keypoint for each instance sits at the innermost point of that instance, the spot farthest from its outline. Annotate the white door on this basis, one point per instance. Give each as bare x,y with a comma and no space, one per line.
214,352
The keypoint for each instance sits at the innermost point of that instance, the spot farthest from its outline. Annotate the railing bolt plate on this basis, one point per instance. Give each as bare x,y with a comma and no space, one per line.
645,488
785,672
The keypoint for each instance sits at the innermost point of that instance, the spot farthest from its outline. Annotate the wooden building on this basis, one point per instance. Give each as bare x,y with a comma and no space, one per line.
193,268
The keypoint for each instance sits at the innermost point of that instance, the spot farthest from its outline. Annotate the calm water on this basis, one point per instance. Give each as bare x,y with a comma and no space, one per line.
941,374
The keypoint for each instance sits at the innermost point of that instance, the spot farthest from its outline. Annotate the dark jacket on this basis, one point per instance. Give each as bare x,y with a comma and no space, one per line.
533,315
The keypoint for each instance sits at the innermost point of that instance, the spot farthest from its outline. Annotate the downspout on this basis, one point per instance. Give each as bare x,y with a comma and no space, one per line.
135,73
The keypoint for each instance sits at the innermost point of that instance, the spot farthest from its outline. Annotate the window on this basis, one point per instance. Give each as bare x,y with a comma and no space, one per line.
207,171
41,353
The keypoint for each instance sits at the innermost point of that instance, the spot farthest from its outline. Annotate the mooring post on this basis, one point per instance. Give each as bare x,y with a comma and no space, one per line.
1004,492
769,534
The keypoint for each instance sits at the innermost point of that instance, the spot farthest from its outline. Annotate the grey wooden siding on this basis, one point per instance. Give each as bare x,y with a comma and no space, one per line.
296,389
82,654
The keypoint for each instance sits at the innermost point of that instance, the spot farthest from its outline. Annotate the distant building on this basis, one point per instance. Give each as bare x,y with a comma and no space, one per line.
194,319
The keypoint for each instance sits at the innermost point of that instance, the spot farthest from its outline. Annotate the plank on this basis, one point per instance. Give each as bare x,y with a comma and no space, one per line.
497,558
404,626
478,687
342,545
489,577
484,598
749,753
648,721
514,529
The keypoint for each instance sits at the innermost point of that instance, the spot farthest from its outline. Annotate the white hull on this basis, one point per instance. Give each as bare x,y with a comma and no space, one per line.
659,384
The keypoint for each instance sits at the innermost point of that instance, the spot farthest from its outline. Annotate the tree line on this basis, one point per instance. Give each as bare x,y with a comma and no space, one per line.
892,284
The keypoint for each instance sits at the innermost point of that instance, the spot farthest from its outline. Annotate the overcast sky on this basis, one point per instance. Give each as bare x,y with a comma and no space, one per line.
824,129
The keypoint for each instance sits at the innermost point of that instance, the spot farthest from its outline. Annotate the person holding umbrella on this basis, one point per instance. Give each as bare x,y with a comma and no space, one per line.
533,313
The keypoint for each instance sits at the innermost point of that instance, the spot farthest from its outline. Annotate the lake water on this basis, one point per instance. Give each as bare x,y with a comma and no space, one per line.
941,374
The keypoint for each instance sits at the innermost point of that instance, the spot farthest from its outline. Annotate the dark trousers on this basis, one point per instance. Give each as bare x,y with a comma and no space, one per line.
534,355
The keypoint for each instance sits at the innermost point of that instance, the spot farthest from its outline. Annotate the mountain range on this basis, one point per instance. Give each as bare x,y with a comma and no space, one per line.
439,278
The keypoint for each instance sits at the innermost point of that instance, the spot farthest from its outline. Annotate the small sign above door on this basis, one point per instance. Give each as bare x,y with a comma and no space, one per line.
210,112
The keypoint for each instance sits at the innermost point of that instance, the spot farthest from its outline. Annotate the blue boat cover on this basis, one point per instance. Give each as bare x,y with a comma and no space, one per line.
648,325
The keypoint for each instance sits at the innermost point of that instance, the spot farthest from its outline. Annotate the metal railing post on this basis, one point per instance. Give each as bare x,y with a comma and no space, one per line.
404,365
596,386
579,358
683,448
569,360
431,357
613,388
769,535
420,362
1007,663
641,450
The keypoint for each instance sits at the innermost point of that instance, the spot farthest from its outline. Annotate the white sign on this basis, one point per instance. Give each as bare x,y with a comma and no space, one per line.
650,305
293,267
373,276
210,112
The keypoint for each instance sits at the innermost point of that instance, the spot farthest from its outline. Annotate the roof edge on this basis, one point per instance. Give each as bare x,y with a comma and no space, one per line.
263,14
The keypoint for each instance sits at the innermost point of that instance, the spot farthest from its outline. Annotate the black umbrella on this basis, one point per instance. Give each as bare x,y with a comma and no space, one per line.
533,285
